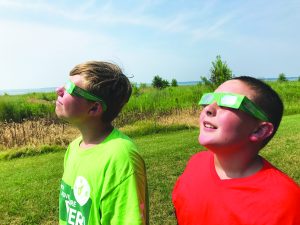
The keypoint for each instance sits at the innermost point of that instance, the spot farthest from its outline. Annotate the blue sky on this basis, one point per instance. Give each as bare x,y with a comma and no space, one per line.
41,41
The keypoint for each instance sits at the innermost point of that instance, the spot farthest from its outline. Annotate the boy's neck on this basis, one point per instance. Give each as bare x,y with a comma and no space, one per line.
94,135
237,165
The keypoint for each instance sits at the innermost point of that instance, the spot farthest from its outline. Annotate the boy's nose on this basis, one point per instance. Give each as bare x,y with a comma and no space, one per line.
211,109
60,91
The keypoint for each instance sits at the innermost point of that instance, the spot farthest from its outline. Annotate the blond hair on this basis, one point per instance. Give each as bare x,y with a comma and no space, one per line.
107,81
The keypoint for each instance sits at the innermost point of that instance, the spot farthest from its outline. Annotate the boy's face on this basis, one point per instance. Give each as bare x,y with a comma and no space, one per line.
71,108
225,128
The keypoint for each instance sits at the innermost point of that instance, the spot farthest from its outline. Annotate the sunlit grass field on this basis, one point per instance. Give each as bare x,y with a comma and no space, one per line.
163,124
30,186
145,102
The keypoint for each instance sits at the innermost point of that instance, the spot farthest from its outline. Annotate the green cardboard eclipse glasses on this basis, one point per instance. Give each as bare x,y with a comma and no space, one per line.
74,90
234,101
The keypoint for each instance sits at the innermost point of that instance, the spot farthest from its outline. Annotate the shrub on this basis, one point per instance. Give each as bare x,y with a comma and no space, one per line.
174,83
219,72
281,77
159,83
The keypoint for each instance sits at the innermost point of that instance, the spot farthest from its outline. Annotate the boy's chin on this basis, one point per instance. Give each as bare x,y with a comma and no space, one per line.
61,116
208,143
204,141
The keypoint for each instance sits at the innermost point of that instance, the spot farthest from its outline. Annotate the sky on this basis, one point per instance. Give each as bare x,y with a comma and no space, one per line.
41,41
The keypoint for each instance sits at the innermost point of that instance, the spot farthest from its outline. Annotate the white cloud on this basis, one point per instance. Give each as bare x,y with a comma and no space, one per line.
213,30
108,14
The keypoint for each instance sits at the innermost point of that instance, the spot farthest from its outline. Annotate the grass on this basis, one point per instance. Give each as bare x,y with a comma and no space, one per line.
20,107
283,151
34,133
29,189
290,94
29,151
29,136
30,186
146,103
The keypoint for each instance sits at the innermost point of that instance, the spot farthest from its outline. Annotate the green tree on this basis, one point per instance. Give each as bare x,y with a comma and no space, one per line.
159,83
174,83
281,77
165,84
219,72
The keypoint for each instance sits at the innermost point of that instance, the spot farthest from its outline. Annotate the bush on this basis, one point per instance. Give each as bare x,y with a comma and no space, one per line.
220,72
281,77
174,83
159,83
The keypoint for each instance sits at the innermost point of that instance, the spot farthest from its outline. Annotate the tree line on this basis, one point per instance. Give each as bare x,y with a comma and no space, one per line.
219,73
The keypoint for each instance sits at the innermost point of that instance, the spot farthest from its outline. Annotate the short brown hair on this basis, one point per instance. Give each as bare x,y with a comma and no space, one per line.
107,81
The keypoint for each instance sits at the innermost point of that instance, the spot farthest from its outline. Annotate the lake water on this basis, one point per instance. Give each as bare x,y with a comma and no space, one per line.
52,89
26,91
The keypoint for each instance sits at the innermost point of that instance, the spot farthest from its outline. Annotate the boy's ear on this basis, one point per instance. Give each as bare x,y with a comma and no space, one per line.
263,131
96,108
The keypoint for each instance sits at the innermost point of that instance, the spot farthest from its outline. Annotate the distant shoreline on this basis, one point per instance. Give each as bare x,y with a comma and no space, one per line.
26,91
52,89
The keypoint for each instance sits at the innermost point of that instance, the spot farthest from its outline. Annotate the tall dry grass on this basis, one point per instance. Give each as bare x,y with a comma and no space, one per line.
35,133
38,132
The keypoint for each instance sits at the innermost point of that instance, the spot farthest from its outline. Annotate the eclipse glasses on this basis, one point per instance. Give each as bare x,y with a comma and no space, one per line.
234,101
74,90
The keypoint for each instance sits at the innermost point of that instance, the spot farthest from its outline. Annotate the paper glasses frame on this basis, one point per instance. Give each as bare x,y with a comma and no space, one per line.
234,101
72,89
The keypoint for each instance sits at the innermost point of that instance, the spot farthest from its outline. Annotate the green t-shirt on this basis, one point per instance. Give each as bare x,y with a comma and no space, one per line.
105,184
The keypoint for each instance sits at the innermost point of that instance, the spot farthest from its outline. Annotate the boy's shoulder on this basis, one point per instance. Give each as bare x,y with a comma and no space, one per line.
199,161
118,147
116,150
203,156
116,137
119,140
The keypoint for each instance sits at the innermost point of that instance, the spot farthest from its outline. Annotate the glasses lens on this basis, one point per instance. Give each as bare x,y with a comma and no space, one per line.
228,100
68,87
207,99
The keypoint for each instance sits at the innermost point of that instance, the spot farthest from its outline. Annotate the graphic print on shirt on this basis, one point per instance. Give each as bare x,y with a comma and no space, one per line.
75,204
81,190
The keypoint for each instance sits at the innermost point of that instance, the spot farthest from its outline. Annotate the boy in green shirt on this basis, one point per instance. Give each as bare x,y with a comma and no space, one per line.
104,180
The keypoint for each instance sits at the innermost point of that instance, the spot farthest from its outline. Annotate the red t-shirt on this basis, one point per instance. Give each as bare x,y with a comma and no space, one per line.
269,197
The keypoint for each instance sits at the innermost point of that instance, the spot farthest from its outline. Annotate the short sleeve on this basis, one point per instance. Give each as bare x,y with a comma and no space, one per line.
127,203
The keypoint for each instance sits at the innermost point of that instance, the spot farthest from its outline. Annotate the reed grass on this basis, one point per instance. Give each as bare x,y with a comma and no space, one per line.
39,136
34,133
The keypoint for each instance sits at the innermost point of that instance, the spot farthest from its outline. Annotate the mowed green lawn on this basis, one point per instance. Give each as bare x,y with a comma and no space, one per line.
30,186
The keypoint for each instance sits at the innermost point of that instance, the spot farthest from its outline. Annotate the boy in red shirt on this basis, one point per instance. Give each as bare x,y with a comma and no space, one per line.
230,183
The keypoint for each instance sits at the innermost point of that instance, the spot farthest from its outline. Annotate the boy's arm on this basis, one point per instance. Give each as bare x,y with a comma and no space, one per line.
127,203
